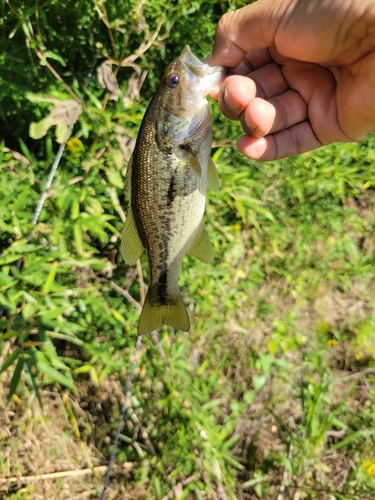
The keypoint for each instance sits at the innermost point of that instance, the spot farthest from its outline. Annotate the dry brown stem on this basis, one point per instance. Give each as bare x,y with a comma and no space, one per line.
53,475
126,294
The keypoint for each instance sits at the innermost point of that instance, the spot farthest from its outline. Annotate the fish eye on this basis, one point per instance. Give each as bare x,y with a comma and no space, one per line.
173,80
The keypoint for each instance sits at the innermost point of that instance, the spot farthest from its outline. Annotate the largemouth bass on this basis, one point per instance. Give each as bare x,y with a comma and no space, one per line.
166,182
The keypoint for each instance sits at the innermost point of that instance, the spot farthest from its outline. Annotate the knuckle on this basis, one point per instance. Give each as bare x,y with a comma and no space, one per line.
223,26
274,147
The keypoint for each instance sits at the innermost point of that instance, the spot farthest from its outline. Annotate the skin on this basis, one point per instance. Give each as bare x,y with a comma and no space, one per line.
302,74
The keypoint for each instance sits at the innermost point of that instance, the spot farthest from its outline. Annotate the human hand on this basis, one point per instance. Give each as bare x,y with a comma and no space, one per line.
303,73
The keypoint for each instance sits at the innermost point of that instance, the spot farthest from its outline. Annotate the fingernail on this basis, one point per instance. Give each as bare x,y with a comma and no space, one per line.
230,103
250,126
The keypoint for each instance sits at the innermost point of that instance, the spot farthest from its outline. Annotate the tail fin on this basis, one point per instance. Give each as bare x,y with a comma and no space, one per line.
154,316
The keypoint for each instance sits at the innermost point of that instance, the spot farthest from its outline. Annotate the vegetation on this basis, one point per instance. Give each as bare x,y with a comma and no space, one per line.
271,394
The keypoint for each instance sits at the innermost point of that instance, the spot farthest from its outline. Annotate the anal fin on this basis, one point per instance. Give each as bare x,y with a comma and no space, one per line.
202,248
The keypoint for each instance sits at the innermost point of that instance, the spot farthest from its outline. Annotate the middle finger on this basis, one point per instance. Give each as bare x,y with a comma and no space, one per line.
237,90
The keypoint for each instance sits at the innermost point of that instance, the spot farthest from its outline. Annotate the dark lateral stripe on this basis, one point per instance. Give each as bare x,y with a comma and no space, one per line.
171,192
162,289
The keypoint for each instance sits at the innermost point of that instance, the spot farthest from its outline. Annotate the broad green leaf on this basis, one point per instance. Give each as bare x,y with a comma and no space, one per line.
118,317
94,377
115,178
8,335
83,369
52,55
9,284
28,310
8,259
157,486
54,374
48,315
228,444
259,381
78,237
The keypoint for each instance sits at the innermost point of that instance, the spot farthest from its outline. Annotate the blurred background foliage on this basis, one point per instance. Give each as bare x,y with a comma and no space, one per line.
271,393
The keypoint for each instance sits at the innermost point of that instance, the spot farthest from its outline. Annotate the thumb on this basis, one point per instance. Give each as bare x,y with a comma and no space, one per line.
245,30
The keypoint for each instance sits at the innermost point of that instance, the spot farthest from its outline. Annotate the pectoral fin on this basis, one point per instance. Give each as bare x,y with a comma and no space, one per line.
131,245
195,164
202,248
213,176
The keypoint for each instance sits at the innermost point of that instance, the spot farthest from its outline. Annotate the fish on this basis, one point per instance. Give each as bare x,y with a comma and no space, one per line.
167,178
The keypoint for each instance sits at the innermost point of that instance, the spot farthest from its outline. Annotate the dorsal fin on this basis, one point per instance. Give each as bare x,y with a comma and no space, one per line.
128,178
131,245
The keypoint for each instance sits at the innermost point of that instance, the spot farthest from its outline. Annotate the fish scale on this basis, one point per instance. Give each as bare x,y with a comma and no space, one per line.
167,178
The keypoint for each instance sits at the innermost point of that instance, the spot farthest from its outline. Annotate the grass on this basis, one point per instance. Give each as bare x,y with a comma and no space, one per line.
272,389
271,393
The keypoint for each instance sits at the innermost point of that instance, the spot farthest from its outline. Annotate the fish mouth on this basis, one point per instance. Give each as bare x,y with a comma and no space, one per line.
207,76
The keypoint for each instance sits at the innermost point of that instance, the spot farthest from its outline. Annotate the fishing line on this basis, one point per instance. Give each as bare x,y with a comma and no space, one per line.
125,407
55,164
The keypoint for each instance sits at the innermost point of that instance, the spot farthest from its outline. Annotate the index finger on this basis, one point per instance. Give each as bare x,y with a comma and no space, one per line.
245,30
